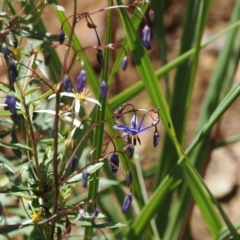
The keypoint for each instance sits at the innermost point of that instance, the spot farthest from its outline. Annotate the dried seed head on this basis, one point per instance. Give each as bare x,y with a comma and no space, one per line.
100,58
130,150
61,36
74,163
118,112
11,103
129,177
156,138
81,81
5,50
84,178
151,15
103,89
67,84
124,63
47,57
13,72
68,225
127,203
114,163
146,37
95,214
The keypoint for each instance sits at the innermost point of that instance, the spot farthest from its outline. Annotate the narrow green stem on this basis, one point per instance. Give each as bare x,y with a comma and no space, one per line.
57,108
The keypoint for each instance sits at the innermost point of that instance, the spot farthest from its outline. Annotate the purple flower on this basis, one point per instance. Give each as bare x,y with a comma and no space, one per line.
133,130
124,63
103,89
95,214
84,178
146,37
114,163
81,81
11,103
13,72
156,138
67,84
61,36
127,203
74,163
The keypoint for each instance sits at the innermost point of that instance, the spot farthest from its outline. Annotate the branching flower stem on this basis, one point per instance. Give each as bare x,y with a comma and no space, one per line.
57,109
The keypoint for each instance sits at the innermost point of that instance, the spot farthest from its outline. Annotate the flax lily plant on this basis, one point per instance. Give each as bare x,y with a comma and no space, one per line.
81,174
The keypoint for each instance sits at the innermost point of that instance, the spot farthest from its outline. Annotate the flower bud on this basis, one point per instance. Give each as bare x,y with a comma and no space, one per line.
146,37
67,84
103,89
11,103
156,138
13,72
74,163
81,81
5,50
130,150
124,63
151,15
47,57
127,203
95,214
100,58
84,178
129,177
61,36
114,163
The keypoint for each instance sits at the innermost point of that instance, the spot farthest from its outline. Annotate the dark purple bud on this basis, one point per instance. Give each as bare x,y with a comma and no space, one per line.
129,177
67,84
68,225
124,63
74,163
151,15
47,57
11,103
81,81
5,50
103,89
114,163
61,36
13,72
84,178
127,203
130,150
146,37
156,138
95,214
100,58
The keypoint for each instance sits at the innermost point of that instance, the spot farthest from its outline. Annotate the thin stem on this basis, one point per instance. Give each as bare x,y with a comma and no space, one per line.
57,108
